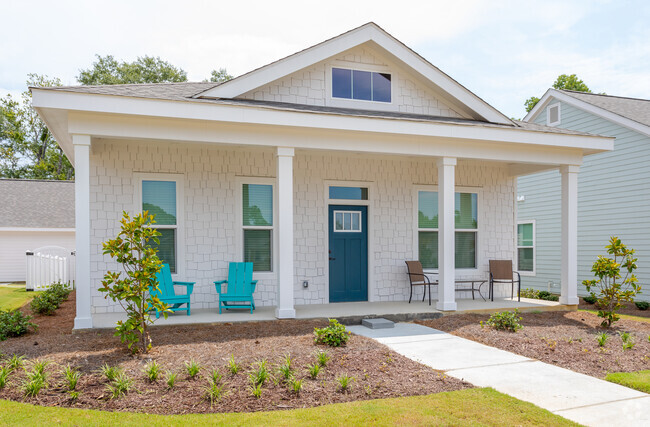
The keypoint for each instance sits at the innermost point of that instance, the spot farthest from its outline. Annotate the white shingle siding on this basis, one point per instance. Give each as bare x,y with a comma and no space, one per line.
210,190
308,87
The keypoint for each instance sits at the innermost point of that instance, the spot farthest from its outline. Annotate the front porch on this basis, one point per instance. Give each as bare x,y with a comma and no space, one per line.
348,313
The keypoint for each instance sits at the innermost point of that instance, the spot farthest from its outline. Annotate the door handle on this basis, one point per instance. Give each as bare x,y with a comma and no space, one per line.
332,259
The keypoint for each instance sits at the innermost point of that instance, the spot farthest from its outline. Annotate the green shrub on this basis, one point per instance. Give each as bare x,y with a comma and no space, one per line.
152,371
642,305
4,376
45,303
295,385
233,366
612,286
171,379
214,392
256,390
72,377
546,295
322,358
628,340
286,369
121,385
529,293
110,372
260,374
590,299
345,382
602,339
313,370
60,291
508,320
333,335
16,362
192,368
13,323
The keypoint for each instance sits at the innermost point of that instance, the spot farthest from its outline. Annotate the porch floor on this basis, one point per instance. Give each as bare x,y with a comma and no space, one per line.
349,313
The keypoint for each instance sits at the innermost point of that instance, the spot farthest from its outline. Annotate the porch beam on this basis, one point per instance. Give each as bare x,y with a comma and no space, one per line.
81,144
446,237
285,308
569,268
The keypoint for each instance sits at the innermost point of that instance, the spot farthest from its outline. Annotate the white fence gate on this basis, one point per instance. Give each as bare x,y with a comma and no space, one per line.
47,265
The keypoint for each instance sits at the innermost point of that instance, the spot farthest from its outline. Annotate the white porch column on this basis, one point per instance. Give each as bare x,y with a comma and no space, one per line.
285,308
446,234
83,319
569,241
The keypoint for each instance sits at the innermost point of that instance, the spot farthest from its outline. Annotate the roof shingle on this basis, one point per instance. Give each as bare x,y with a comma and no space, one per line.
36,203
632,108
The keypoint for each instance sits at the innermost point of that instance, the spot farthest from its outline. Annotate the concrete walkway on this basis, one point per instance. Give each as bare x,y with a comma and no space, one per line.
580,398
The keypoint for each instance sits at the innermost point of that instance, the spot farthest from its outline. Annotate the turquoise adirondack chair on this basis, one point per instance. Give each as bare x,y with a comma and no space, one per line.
239,289
167,294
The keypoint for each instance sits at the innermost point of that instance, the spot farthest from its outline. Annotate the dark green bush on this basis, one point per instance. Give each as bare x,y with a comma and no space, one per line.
529,293
14,324
545,295
590,299
334,335
60,290
642,305
47,302
508,320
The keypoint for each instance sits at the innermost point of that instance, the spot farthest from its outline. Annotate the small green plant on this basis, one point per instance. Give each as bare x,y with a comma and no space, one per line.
152,371
508,320
215,376
233,366
546,295
322,358
33,385
60,290
120,386
334,335
628,341
192,368
39,366
590,299
313,370
74,395
171,379
345,382
286,369
214,392
529,293
602,338
50,300
613,288
642,305
13,323
110,372
4,376
367,389
295,385
71,376
16,362
260,373
256,390
133,249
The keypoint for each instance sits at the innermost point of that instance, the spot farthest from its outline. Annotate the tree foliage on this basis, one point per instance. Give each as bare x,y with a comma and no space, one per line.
140,264
563,82
613,288
27,148
220,76
146,69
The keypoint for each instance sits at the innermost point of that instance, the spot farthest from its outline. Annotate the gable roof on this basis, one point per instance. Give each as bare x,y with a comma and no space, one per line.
633,113
30,203
370,32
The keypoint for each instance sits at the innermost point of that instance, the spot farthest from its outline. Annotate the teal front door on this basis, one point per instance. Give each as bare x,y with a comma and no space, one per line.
348,253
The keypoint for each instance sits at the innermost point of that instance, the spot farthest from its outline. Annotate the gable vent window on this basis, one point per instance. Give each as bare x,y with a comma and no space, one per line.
361,85
553,115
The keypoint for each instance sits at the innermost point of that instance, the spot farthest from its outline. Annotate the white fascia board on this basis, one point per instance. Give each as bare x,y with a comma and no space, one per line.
321,52
35,229
253,115
597,111
539,107
57,122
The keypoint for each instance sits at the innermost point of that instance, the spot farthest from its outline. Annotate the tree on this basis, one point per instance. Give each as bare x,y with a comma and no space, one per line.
141,264
220,76
146,69
612,287
27,148
563,81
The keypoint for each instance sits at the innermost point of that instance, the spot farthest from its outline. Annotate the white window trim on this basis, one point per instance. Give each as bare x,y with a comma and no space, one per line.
180,212
239,222
534,247
360,103
478,230
559,114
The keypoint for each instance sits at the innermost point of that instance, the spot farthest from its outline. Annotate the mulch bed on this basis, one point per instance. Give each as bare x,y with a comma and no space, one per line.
378,372
566,339
628,308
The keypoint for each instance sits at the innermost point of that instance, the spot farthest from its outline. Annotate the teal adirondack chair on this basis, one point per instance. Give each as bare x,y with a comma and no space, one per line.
239,289
167,294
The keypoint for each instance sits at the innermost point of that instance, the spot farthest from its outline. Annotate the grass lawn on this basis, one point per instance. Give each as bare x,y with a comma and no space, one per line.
482,406
638,380
14,296
624,316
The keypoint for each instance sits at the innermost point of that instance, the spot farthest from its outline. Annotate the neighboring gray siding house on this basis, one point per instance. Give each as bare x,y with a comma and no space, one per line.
613,189
33,214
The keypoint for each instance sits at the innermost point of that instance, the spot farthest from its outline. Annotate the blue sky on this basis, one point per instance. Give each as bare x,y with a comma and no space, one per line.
504,51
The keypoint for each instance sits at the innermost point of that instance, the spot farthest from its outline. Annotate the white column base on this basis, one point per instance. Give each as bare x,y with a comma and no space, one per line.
83,323
285,313
569,300
446,306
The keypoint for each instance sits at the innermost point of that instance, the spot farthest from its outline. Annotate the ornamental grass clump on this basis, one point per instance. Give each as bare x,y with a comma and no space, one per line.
110,372
286,368
233,366
192,368
334,335
628,340
313,370
132,248
322,358
71,377
152,371
345,382
507,320
120,386
260,373
4,376
16,362
171,379
602,339
615,281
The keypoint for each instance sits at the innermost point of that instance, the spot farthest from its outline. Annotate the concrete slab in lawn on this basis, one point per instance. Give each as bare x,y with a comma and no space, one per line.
548,386
632,412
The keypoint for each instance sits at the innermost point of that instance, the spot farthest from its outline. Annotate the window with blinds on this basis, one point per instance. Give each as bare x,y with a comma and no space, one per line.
159,199
257,225
466,223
